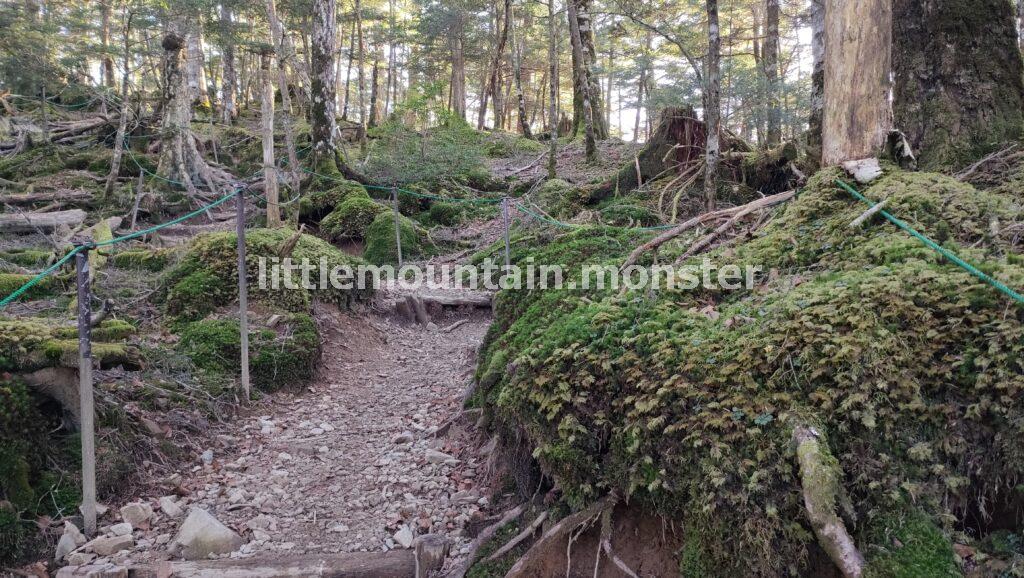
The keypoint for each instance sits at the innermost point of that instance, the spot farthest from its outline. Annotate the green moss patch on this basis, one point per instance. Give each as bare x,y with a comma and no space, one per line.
560,199
351,219
206,277
46,287
319,202
913,547
446,214
152,260
381,248
685,399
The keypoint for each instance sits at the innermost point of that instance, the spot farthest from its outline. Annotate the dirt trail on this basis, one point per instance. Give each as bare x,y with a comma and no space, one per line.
347,464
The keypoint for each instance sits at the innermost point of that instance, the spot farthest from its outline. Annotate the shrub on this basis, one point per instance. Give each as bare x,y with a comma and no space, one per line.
504,145
206,277
380,240
351,219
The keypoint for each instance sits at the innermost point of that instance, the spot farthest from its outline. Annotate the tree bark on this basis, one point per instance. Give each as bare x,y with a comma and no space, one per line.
958,91
122,124
277,42
108,60
194,73
270,188
770,60
517,71
857,116
360,77
229,109
495,71
458,84
553,83
589,132
589,61
814,135
348,71
712,107
323,125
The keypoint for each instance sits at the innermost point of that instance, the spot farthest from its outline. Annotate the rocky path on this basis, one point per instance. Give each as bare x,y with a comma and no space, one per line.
352,464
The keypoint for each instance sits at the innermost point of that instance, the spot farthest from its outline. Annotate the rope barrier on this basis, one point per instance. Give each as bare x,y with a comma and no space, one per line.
1002,287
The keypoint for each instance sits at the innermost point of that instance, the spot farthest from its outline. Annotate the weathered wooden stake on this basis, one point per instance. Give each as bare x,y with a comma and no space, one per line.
504,218
87,418
243,293
398,228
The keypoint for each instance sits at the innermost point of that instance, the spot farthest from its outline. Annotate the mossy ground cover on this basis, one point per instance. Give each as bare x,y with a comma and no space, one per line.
351,218
381,247
686,400
206,277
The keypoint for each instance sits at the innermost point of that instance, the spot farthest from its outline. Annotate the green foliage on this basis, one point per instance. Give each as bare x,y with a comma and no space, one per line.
26,257
560,199
380,240
685,399
505,145
623,213
317,203
912,547
401,155
206,277
276,359
351,218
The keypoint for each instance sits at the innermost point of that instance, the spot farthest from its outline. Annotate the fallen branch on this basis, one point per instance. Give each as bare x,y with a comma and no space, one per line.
868,214
518,539
969,171
63,195
819,478
455,326
667,236
746,210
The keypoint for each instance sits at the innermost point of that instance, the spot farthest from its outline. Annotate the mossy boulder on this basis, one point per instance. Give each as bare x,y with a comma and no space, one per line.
560,199
381,248
685,399
206,277
318,203
27,345
279,357
45,287
446,214
505,145
351,219
628,214
27,257
152,260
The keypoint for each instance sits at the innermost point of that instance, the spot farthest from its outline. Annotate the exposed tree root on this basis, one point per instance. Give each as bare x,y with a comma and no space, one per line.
518,539
565,528
606,546
819,477
667,236
484,537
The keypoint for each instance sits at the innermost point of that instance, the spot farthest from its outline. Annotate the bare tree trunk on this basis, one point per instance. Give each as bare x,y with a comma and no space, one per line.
1020,23
195,74
270,188
108,60
392,73
857,116
360,76
322,112
641,86
611,81
958,91
589,51
374,91
517,71
348,71
122,123
277,41
229,110
814,135
553,80
771,72
495,72
712,106
458,85
589,136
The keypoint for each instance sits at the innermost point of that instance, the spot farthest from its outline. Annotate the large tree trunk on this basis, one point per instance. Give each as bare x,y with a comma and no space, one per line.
348,72
958,78
122,125
108,59
360,76
858,42
712,107
455,42
814,136
770,60
581,71
589,61
553,80
277,35
270,188
229,110
195,74
323,125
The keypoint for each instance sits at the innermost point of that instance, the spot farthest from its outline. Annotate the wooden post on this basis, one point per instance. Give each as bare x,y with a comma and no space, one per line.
243,293
504,219
85,391
398,229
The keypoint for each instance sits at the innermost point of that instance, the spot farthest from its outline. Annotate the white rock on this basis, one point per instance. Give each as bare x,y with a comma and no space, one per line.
80,558
201,535
137,514
326,427
65,546
207,457
436,457
107,545
169,506
404,537
122,529
75,533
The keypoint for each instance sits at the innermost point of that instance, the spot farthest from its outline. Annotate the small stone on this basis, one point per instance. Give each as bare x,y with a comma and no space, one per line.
405,437
108,545
75,533
404,537
326,427
201,535
274,320
122,529
80,558
137,514
65,546
207,457
436,457
169,506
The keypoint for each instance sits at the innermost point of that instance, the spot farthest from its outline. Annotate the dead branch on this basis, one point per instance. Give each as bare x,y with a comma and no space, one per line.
667,236
704,242
969,171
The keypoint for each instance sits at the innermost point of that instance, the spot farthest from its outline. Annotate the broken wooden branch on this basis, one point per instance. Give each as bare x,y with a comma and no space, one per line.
62,195
859,221
706,241
44,222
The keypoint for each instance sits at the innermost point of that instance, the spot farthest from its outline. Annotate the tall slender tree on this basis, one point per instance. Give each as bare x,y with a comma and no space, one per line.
553,92
712,106
770,61
323,124
582,72
270,183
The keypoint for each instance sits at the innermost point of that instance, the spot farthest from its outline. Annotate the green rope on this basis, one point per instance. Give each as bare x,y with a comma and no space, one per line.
936,247
21,290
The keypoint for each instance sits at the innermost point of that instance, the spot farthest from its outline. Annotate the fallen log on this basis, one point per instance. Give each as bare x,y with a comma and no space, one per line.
40,222
62,195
